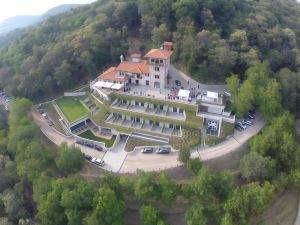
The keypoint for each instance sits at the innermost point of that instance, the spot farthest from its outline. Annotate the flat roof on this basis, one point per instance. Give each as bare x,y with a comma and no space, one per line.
183,93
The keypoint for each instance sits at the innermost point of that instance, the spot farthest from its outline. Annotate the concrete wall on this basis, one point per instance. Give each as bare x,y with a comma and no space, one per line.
74,94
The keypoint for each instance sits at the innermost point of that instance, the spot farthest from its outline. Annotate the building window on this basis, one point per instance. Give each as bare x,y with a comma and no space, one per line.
147,82
156,68
161,61
147,74
152,60
156,76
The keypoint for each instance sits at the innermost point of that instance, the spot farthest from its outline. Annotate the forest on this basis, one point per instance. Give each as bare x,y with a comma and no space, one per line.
211,40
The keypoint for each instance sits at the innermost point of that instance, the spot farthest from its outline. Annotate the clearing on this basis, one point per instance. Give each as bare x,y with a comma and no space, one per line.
72,108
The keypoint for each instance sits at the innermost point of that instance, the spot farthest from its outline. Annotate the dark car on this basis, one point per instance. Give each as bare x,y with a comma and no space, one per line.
164,150
41,111
87,157
50,123
147,150
91,145
80,142
98,148
178,82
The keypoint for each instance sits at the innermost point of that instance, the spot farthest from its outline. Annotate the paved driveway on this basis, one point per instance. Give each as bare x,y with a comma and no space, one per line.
114,158
188,82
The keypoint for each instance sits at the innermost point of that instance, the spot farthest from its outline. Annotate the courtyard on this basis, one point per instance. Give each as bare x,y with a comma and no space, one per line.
72,108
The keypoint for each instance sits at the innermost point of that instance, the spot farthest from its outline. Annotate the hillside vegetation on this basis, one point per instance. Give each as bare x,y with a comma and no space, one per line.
212,39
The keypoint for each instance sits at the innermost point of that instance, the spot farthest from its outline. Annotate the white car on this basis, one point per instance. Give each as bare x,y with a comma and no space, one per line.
241,125
97,161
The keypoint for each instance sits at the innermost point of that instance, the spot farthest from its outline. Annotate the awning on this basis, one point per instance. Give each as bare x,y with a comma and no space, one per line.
212,94
117,86
183,93
108,85
99,83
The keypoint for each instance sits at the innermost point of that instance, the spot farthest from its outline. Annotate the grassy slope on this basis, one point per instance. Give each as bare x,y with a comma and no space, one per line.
89,135
54,116
136,142
72,108
189,139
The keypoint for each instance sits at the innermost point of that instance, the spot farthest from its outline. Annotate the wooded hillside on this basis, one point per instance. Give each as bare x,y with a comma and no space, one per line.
212,39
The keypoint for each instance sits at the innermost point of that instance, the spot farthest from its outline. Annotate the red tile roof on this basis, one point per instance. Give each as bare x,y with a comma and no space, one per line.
159,54
167,43
133,67
110,75
135,55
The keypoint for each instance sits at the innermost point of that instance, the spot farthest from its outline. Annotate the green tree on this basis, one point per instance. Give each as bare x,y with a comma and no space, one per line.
184,155
246,202
232,84
160,34
194,166
144,186
255,167
167,188
150,215
70,159
195,215
108,209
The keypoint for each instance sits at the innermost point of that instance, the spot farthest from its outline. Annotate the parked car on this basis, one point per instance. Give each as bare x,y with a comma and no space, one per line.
87,157
91,145
178,82
249,115
80,142
252,111
212,128
164,150
241,125
98,148
147,150
45,115
50,123
97,161
247,122
238,127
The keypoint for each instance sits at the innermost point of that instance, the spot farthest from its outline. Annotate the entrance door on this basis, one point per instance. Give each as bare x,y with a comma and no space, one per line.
136,82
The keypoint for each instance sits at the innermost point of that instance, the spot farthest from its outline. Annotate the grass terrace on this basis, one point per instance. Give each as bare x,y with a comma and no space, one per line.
72,108
133,142
191,128
89,135
226,130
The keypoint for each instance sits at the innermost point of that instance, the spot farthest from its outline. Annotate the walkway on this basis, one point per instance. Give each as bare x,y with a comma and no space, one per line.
114,158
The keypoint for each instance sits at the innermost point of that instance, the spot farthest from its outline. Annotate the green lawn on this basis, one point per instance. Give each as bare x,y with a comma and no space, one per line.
89,135
72,108
133,142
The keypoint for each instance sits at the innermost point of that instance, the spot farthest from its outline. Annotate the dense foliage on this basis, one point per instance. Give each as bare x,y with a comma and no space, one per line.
212,39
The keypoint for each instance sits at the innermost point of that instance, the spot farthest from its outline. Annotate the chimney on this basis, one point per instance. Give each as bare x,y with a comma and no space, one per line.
121,58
